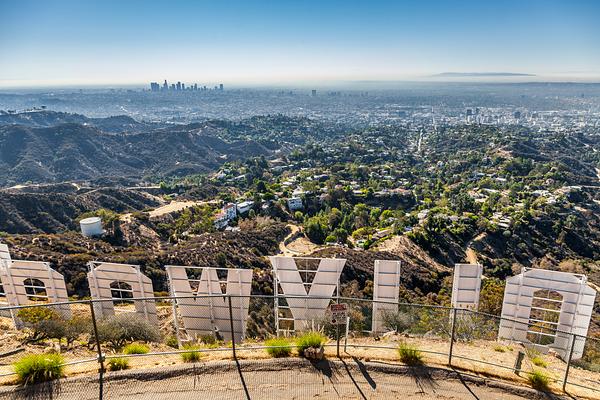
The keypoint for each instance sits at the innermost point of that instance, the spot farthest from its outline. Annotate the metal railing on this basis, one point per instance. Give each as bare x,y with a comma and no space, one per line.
447,337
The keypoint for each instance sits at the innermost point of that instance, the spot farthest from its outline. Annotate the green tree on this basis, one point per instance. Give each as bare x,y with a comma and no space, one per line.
315,231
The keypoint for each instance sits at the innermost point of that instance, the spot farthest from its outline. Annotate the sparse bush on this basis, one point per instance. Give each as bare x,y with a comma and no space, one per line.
432,321
310,339
539,362
34,315
172,341
37,368
499,348
193,354
282,347
75,327
46,323
120,329
397,321
118,364
409,354
208,339
471,326
539,380
136,348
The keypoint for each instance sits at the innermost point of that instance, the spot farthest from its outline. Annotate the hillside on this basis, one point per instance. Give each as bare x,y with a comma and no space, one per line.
47,118
78,152
56,211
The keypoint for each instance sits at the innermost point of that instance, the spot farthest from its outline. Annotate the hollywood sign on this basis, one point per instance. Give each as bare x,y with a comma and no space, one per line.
546,307
307,286
202,303
538,304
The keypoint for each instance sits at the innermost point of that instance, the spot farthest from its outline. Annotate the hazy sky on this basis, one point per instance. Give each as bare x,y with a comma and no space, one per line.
249,42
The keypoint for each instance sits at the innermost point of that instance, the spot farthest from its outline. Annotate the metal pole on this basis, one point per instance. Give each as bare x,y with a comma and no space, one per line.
231,326
564,385
337,329
346,337
276,298
100,355
337,325
173,307
452,336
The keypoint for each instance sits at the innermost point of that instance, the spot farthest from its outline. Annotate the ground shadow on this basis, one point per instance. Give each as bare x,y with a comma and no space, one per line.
327,370
324,367
464,383
422,377
540,394
242,380
351,376
363,370
41,391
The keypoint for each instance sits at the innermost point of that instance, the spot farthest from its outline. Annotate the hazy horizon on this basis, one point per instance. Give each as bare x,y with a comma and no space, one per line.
80,43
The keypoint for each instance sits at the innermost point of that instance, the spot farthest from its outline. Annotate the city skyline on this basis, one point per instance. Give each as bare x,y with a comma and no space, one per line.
69,43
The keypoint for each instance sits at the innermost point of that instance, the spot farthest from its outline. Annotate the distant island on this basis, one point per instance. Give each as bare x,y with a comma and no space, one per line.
478,74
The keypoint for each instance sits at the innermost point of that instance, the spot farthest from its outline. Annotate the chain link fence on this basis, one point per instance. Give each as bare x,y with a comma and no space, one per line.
100,355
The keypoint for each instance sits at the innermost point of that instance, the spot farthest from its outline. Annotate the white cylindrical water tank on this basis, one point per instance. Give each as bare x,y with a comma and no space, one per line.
91,226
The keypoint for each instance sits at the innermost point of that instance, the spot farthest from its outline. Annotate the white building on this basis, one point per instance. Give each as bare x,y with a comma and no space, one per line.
221,220
295,203
244,206
230,211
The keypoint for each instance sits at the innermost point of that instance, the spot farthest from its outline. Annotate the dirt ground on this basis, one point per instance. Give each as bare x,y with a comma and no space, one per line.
357,349
172,207
289,378
366,349
300,246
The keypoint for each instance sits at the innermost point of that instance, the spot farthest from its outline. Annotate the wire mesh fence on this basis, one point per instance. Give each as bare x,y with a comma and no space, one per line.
105,349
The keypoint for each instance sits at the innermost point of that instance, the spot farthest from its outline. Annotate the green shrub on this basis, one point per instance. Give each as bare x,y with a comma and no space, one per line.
499,348
539,362
397,321
37,368
44,322
122,328
208,339
75,327
117,364
172,341
34,315
539,380
409,354
136,348
310,339
193,355
281,347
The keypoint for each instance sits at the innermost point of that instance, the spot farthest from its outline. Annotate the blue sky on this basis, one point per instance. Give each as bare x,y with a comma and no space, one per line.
261,42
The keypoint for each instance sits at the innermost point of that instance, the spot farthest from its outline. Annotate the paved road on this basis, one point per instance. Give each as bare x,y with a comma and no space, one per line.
284,379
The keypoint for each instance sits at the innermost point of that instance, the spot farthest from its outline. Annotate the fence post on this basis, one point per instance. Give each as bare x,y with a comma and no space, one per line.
100,355
452,336
231,326
569,357
346,337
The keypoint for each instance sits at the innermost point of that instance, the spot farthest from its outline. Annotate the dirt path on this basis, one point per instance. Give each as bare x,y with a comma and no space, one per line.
290,379
298,246
470,254
282,247
167,209
172,207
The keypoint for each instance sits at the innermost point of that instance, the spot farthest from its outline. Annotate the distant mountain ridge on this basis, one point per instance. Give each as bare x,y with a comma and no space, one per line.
47,118
479,74
73,151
